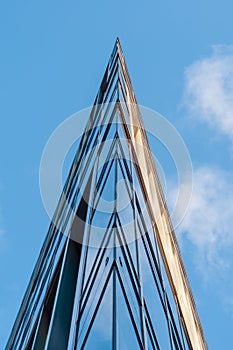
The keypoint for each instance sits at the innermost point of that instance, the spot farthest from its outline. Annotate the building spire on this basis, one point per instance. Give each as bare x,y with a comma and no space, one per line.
101,284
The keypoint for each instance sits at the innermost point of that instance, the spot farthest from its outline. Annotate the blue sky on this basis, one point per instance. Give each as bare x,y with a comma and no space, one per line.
180,58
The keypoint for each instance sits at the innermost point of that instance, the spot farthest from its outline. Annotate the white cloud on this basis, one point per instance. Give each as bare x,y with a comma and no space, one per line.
208,222
209,89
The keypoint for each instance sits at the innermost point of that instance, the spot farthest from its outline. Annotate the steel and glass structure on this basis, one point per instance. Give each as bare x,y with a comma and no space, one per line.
112,278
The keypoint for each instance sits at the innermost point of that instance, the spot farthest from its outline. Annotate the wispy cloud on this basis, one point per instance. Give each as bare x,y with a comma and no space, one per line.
208,222
209,89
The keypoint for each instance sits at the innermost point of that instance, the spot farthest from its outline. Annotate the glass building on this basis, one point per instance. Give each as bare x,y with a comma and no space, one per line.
110,274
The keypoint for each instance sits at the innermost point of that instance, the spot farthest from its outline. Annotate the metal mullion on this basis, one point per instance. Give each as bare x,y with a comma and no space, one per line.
114,61
127,186
129,310
97,307
123,247
111,88
137,201
76,174
100,105
26,323
106,163
164,304
132,278
175,245
126,165
94,131
113,55
107,128
130,291
110,99
136,278
152,256
91,301
135,289
88,289
97,255
114,292
158,289
47,296
173,322
174,338
102,175
30,289
124,100
128,82
150,249
138,206
150,336
88,131
98,126
162,286
68,276
84,259
83,171
140,286
99,196
156,261
134,158
39,265
42,288
133,282
111,78
102,95
155,279
124,92
31,340
151,325
100,146
181,329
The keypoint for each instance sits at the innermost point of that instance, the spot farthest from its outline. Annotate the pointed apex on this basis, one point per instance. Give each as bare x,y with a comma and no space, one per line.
118,45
